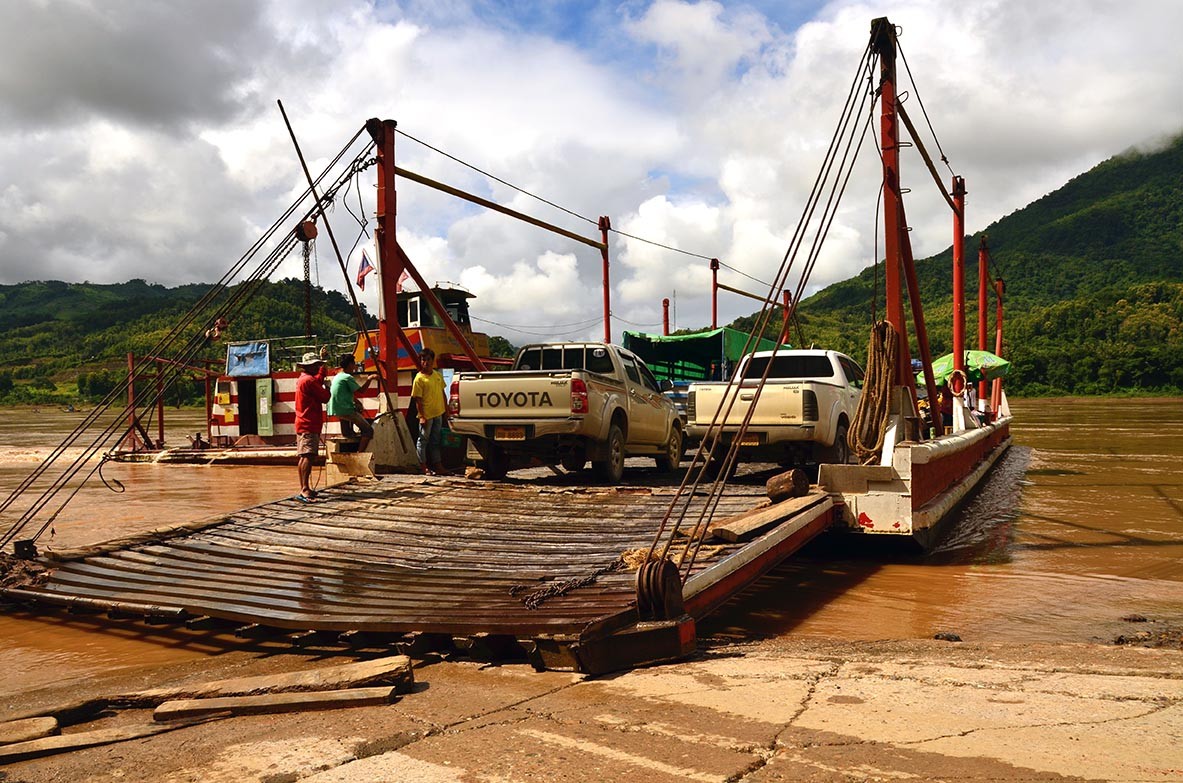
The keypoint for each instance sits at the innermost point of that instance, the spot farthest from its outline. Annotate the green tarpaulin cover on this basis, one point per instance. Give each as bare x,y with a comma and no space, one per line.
698,356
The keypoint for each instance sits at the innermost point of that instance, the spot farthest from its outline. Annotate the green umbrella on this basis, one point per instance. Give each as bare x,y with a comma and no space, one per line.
979,366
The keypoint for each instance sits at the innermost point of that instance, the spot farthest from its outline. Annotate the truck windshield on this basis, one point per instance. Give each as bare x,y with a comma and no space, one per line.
594,358
790,367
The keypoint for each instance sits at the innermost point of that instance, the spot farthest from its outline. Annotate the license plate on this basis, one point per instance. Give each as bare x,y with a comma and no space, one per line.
509,433
750,440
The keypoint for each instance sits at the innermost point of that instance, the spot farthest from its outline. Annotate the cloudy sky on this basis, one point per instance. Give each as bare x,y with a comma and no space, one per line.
142,139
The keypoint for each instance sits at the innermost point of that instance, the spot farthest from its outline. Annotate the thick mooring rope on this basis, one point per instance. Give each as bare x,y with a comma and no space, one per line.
870,419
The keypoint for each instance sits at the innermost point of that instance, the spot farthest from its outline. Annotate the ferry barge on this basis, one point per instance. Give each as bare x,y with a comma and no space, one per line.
590,579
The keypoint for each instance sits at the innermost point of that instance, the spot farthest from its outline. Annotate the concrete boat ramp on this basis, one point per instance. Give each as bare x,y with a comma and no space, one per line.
418,564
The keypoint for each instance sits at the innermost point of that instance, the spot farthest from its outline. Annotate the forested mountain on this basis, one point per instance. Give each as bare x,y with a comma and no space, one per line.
1094,298
70,334
1094,285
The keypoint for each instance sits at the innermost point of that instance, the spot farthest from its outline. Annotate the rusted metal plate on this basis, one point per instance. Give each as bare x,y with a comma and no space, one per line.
432,561
395,555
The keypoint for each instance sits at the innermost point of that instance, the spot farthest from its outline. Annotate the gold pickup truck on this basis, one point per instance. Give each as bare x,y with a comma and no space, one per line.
565,404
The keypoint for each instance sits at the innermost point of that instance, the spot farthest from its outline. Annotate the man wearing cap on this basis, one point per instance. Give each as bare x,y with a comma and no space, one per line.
311,394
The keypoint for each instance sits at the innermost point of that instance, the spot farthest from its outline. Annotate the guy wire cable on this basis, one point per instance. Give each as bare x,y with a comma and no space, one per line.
714,433
208,297
244,290
707,448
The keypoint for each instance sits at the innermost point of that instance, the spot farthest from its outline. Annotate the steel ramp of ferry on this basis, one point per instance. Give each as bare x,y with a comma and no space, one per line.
494,568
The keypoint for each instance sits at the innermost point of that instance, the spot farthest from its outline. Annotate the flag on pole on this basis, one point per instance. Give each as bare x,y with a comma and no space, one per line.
398,287
363,269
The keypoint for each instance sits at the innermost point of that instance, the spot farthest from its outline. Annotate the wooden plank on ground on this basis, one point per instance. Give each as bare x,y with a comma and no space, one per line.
274,702
394,670
27,729
67,714
745,526
48,746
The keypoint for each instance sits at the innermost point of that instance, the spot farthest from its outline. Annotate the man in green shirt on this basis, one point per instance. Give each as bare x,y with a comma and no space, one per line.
343,402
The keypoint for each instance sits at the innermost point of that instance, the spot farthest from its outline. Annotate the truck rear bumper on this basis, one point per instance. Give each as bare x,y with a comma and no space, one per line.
517,430
761,436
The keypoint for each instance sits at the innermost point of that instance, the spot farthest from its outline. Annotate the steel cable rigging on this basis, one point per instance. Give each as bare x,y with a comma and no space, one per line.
207,313
826,192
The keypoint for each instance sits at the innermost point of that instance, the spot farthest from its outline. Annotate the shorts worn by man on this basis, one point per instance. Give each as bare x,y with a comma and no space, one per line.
343,401
311,394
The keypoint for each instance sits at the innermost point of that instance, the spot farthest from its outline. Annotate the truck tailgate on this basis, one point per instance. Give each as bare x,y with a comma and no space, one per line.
516,395
779,403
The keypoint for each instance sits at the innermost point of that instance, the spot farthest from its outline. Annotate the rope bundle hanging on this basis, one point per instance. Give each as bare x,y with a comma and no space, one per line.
874,406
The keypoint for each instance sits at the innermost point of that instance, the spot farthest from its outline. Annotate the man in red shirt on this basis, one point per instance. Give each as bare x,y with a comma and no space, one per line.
311,395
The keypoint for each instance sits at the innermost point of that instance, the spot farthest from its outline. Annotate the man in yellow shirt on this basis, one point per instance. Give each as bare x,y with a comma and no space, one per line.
428,392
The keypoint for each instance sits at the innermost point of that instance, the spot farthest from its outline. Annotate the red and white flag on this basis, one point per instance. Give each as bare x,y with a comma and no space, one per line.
398,287
363,269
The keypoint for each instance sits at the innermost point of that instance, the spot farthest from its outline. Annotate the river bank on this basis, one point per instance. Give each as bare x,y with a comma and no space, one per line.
774,710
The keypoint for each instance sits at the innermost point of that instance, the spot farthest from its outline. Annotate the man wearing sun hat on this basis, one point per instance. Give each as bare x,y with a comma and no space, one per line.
311,395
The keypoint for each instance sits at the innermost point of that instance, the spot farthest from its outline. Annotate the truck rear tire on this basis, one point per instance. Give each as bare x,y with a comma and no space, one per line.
611,469
839,453
496,462
673,452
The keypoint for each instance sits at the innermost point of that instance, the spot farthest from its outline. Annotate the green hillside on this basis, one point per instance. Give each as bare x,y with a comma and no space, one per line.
58,339
1094,285
1094,304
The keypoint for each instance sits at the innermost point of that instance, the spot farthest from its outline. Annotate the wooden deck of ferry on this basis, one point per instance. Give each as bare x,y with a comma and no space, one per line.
431,563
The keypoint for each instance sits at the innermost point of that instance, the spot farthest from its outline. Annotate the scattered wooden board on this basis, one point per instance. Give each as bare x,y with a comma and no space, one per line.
27,729
744,526
274,702
67,714
48,746
394,670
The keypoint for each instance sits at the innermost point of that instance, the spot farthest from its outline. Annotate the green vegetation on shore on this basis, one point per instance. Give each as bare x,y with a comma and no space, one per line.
1094,286
1094,301
67,343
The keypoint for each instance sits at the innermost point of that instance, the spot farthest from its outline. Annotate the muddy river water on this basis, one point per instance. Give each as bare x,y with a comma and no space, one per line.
1079,525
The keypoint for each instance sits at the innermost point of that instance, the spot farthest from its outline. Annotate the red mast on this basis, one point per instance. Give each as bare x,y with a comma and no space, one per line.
959,274
714,293
883,41
605,224
390,264
996,390
983,290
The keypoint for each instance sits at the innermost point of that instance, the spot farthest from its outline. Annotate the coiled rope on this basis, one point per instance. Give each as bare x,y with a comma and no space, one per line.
874,406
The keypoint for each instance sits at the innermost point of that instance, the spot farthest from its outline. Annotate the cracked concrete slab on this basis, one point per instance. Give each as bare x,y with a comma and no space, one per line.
776,710
1145,746
904,711
579,751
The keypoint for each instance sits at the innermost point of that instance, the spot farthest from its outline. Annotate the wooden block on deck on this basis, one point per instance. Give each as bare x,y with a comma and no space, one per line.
342,466
393,670
274,702
27,729
744,526
790,484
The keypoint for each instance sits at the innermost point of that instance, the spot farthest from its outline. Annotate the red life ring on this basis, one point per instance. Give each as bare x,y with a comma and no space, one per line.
957,382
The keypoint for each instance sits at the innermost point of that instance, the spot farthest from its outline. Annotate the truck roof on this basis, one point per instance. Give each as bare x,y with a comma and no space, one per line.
797,352
573,344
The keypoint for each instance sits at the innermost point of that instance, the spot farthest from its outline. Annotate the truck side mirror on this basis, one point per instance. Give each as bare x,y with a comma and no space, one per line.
665,384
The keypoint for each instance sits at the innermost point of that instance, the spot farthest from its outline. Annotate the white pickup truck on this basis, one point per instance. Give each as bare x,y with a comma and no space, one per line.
802,414
566,403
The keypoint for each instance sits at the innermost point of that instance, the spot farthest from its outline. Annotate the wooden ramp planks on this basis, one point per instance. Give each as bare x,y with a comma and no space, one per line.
394,555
